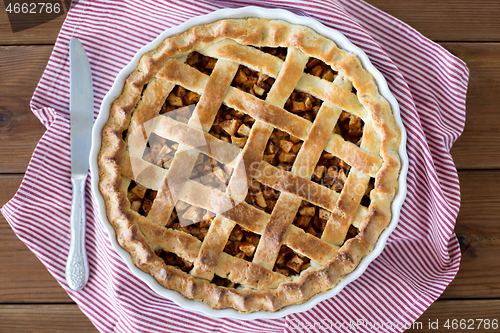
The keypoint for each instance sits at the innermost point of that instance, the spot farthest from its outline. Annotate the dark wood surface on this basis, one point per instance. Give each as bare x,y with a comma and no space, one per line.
32,301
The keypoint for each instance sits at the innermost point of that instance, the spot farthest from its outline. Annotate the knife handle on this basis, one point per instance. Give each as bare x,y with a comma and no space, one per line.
77,267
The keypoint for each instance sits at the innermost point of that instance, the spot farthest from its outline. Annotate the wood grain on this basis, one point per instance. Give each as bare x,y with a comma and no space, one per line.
45,33
447,20
477,148
20,130
463,21
23,278
441,311
69,318
477,229
44,319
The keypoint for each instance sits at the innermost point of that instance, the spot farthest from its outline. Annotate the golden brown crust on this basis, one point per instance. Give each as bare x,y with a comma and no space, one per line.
263,288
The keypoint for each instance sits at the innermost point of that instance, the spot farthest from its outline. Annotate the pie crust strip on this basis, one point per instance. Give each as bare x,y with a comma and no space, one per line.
203,116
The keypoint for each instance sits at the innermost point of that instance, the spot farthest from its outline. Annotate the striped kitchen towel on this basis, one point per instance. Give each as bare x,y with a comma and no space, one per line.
421,256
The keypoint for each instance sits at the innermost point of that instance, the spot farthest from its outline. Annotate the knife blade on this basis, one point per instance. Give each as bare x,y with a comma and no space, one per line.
81,107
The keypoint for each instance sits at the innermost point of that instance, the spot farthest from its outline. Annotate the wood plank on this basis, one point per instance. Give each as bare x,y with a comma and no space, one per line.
477,228
23,278
469,311
65,318
478,231
16,149
20,130
464,21
44,319
45,33
447,20
477,148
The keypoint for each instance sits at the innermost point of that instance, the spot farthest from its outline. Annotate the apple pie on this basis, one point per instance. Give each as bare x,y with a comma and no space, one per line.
249,164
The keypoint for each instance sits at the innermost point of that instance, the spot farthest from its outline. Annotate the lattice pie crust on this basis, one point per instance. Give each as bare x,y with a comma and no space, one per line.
292,185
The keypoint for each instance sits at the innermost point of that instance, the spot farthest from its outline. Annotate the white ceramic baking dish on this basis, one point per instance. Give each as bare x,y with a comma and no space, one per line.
115,91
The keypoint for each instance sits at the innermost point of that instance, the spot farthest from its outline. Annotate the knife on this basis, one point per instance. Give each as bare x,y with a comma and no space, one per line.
81,105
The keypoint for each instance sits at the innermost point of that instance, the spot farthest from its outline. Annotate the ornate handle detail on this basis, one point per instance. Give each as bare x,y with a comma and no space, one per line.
77,270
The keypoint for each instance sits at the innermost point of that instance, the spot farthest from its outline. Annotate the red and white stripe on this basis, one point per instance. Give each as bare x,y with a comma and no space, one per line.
421,256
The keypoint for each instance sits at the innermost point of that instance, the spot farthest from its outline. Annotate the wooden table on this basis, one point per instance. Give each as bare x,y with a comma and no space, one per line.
32,301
